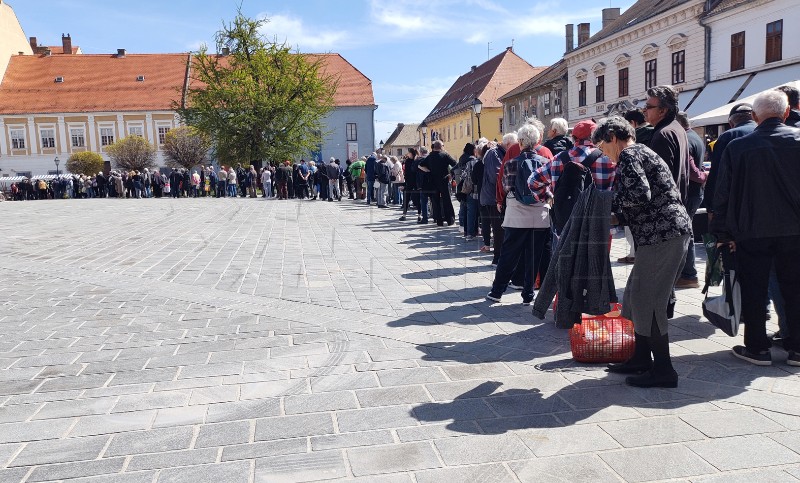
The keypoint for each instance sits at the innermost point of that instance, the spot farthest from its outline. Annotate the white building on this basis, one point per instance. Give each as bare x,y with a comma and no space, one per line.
654,42
754,46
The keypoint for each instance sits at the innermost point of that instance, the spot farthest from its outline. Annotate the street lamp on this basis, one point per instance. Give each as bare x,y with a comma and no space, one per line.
57,161
424,128
477,105
381,145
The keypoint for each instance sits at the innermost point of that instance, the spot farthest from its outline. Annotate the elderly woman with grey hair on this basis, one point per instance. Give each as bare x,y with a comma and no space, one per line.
646,199
526,224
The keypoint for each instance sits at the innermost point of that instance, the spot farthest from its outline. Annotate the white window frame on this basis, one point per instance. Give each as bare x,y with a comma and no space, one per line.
72,135
161,137
354,133
106,140
47,127
135,125
21,140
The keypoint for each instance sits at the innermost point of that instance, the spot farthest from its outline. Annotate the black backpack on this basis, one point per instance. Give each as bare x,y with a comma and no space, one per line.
527,163
574,179
384,173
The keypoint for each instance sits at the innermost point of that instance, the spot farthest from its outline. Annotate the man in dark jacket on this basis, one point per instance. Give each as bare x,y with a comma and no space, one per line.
644,131
757,206
437,164
741,121
370,170
669,139
557,136
794,104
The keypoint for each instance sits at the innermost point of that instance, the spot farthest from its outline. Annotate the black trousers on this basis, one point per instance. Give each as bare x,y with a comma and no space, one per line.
441,203
526,249
754,259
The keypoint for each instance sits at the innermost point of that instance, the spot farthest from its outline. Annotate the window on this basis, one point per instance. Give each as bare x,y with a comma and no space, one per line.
352,131
679,67
469,130
78,137
136,131
582,94
737,51
600,89
48,138
106,136
162,134
17,138
461,129
650,74
546,103
399,151
775,41
500,122
513,115
556,101
623,82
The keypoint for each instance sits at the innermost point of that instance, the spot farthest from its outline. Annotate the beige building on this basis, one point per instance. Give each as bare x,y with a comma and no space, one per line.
404,136
12,38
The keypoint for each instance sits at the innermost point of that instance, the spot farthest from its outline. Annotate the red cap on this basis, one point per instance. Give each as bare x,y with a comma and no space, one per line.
583,130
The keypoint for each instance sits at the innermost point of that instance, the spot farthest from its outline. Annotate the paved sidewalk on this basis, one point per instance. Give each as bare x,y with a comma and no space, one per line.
268,341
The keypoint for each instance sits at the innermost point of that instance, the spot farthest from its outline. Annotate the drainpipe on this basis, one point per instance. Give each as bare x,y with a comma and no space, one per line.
707,29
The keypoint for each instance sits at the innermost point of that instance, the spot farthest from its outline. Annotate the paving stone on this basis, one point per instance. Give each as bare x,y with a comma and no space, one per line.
210,395
313,403
321,465
261,390
590,469
731,423
180,416
492,473
437,431
112,423
19,413
172,459
762,475
156,400
375,418
567,440
481,449
343,382
156,440
455,410
79,469
7,451
262,449
349,440
236,471
391,396
82,407
222,434
294,426
256,408
392,458
656,463
34,430
726,453
651,431
405,377
60,451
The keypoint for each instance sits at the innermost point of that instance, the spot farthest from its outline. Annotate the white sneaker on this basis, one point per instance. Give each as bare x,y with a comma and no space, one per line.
514,287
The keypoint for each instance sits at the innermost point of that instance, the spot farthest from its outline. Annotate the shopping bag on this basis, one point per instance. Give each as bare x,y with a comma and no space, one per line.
725,311
713,260
603,338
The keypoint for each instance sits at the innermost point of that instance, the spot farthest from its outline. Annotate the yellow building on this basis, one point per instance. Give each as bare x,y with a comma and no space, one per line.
470,108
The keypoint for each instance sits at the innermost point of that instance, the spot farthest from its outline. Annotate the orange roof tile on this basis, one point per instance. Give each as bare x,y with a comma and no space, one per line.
355,89
59,49
92,83
486,82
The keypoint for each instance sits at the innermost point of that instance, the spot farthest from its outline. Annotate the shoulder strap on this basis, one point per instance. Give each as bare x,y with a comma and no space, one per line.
589,160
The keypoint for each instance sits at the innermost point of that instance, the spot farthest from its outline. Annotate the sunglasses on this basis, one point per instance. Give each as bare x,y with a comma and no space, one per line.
648,106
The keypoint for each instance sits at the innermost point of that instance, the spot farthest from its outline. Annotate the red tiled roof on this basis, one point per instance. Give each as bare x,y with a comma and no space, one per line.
59,49
486,82
92,83
355,89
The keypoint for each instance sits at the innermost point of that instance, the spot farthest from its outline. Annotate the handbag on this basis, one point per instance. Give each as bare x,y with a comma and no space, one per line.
714,265
725,311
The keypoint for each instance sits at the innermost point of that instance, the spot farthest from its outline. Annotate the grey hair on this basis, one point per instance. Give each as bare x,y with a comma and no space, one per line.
740,117
667,97
559,125
529,135
539,125
770,104
423,150
510,138
437,144
616,126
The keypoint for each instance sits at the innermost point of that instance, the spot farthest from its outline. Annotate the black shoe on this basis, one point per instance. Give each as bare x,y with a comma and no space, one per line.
763,358
450,222
403,218
423,221
651,379
777,339
793,359
492,297
629,367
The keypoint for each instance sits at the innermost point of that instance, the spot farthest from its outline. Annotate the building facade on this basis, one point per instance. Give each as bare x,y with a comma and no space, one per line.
454,119
12,38
544,96
404,136
654,42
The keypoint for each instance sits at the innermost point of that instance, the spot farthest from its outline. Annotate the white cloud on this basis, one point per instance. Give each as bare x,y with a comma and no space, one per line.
291,30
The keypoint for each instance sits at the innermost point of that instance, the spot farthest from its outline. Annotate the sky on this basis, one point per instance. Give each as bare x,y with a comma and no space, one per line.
412,50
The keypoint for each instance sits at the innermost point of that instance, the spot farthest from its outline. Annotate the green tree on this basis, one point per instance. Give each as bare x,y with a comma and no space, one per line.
132,153
86,162
259,101
186,147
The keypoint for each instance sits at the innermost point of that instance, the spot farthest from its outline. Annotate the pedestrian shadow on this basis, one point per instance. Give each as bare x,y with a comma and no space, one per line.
569,394
448,272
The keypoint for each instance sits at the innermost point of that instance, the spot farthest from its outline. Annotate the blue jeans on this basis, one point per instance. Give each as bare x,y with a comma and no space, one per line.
473,207
689,271
382,191
370,188
423,203
232,190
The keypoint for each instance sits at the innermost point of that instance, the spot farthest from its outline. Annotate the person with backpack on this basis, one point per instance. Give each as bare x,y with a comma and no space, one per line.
470,191
562,180
526,224
458,174
383,177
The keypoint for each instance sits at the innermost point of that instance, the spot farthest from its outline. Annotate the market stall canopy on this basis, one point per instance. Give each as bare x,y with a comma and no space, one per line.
720,114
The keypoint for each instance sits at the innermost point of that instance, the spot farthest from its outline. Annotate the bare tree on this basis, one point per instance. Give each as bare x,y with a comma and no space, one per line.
186,147
132,153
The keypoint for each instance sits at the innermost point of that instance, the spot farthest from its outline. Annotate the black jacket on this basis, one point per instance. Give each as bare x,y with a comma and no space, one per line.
558,144
670,142
697,148
741,129
758,185
644,134
793,119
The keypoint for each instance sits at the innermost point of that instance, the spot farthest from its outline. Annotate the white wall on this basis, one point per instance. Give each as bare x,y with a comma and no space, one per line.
753,19
635,42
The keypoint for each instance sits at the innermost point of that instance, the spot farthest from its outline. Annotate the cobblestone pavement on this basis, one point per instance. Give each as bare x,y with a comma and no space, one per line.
251,340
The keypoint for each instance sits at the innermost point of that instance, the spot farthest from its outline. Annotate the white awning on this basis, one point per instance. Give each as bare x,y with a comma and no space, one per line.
685,97
720,114
768,79
716,94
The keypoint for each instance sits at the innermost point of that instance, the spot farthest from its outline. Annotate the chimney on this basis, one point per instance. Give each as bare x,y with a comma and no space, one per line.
583,33
473,68
609,15
226,51
120,53
570,38
34,44
47,52
66,43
